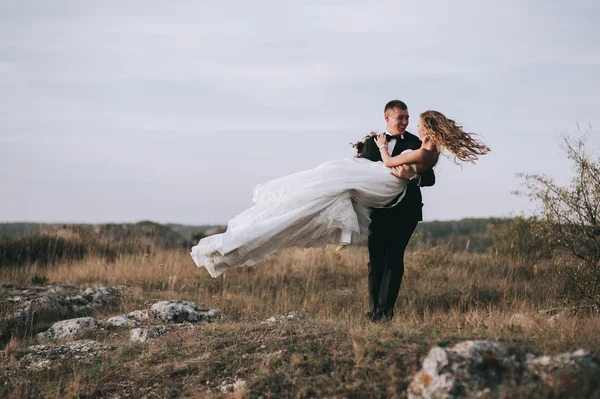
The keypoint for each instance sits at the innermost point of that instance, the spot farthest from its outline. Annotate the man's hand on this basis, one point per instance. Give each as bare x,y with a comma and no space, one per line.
404,172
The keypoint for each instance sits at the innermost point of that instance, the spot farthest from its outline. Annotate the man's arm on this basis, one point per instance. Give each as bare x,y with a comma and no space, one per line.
426,179
367,150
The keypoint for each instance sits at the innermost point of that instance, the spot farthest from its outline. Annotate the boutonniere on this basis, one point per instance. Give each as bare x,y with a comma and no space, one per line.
358,146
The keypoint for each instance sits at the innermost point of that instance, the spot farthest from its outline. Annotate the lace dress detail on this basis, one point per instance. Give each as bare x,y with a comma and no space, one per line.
325,205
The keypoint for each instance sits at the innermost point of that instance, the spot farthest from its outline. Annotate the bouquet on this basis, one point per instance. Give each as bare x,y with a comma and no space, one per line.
358,146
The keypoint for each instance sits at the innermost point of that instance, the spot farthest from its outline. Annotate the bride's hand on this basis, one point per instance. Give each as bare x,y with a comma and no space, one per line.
381,140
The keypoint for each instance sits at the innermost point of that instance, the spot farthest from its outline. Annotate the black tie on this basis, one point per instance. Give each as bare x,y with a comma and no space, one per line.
390,137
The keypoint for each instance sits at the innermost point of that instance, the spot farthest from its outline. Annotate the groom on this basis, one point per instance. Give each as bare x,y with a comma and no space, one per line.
391,228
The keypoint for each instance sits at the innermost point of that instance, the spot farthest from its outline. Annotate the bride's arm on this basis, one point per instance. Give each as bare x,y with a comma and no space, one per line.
421,157
417,156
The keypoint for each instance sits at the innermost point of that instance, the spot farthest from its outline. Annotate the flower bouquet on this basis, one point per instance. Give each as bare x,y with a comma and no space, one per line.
358,146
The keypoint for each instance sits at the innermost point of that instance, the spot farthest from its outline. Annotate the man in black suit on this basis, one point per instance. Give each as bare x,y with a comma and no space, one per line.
391,228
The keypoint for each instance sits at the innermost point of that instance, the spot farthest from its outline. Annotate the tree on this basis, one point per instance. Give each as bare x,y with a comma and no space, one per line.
571,219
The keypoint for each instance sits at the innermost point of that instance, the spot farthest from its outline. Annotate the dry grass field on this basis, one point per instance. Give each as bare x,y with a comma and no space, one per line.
334,351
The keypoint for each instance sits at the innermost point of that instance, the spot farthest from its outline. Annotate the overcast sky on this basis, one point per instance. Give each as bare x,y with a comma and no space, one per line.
116,111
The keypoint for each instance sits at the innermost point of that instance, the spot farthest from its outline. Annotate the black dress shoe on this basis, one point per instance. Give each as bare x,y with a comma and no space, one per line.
373,316
385,317
385,314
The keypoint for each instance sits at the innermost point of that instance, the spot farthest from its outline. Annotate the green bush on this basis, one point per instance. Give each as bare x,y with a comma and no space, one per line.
40,249
45,249
521,238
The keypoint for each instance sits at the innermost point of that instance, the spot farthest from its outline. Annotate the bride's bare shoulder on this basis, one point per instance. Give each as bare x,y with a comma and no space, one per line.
430,156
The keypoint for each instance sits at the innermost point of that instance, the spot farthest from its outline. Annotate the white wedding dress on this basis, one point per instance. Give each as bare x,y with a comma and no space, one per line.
325,205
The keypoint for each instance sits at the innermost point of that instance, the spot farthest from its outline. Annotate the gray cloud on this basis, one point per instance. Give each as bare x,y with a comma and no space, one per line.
173,111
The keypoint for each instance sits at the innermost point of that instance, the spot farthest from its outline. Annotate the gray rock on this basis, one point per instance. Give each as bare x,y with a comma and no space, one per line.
152,332
44,356
70,329
180,311
34,308
474,368
138,315
552,369
121,322
83,327
232,387
283,318
103,297
468,367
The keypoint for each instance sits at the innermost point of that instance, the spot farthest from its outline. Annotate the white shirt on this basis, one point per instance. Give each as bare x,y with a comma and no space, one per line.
392,143
390,146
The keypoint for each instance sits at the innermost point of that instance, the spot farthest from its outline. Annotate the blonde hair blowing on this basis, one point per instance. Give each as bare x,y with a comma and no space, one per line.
446,133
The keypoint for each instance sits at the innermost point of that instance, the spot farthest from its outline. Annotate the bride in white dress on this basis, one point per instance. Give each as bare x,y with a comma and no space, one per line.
329,204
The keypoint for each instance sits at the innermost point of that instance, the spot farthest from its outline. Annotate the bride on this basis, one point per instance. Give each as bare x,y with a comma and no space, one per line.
330,203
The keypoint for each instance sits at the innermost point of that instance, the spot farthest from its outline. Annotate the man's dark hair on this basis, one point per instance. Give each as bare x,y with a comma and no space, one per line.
395,104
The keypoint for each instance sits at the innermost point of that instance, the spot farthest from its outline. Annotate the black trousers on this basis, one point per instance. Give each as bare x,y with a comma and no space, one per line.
390,234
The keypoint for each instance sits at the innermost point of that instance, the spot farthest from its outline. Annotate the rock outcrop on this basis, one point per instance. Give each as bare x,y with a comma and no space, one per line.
152,332
180,311
81,327
45,356
26,310
162,318
284,318
475,368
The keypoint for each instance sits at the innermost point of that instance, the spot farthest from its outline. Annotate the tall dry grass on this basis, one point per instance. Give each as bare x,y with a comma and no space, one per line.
458,292
446,297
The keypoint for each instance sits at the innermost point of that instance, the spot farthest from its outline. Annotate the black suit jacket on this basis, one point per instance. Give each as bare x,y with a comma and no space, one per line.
411,205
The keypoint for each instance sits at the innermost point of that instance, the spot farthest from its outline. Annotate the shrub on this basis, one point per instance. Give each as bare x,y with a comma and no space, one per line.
521,238
570,219
39,249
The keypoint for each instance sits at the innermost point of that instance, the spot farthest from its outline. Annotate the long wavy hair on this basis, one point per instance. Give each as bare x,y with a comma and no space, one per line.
446,133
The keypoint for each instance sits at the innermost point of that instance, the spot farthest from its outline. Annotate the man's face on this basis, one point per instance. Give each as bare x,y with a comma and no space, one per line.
396,120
